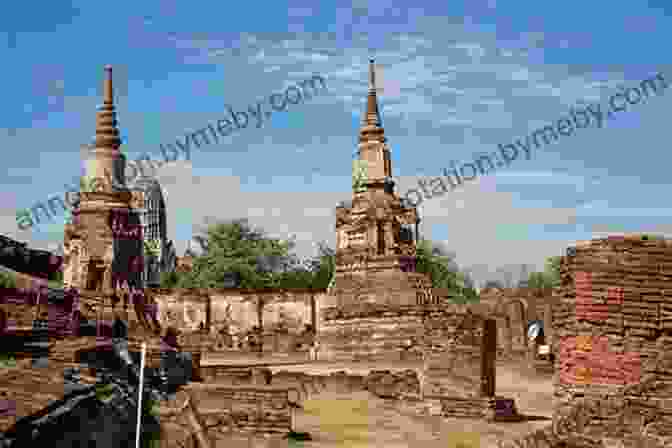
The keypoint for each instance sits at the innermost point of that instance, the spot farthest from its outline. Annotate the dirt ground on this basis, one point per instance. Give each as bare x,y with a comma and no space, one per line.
360,420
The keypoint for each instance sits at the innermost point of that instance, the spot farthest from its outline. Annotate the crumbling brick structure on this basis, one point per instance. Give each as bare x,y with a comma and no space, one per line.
373,309
613,328
259,408
459,364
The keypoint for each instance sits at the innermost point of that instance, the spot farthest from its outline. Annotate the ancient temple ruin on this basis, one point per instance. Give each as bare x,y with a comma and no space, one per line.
369,312
103,243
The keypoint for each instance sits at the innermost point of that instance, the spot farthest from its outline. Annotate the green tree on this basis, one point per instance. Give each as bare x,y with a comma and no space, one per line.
548,279
552,270
439,264
322,266
296,274
538,280
469,293
236,246
7,280
169,279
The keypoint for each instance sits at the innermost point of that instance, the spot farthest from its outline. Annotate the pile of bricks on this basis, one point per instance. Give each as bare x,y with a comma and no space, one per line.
613,333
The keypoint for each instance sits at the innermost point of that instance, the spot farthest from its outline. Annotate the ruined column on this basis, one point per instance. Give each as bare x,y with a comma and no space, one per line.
208,315
488,357
507,342
313,311
548,323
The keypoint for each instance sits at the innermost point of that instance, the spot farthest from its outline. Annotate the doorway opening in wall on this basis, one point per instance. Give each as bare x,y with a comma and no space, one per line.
381,239
94,281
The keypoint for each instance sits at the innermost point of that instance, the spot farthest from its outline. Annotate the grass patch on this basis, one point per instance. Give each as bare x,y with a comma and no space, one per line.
104,392
351,422
7,361
347,420
464,440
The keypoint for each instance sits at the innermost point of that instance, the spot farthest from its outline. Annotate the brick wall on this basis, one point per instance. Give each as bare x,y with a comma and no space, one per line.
381,383
613,337
238,310
454,369
225,408
453,352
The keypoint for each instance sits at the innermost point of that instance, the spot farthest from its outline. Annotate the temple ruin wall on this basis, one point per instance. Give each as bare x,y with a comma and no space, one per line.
613,327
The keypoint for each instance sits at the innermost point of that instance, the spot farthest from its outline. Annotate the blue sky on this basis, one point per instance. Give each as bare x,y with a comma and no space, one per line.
456,79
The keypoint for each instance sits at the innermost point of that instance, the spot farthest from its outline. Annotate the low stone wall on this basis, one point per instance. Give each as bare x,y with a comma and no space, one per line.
227,375
497,409
225,409
381,383
238,311
458,407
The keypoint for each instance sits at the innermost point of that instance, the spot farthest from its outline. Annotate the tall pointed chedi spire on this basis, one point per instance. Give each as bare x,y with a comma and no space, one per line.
372,115
105,161
107,134
374,154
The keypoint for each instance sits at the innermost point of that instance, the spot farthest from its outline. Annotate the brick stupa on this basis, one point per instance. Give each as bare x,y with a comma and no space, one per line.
102,247
374,308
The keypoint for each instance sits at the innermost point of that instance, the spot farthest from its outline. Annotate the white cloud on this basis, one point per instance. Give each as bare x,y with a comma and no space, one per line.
474,50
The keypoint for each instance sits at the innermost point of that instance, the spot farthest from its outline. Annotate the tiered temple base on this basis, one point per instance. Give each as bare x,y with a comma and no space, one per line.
377,317
371,333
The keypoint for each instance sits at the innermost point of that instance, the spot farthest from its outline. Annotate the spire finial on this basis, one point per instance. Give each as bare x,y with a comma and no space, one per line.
372,75
107,86
371,115
107,134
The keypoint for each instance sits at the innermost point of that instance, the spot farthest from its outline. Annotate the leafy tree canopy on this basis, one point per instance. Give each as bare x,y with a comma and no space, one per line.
552,270
259,260
7,280
548,279
439,264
